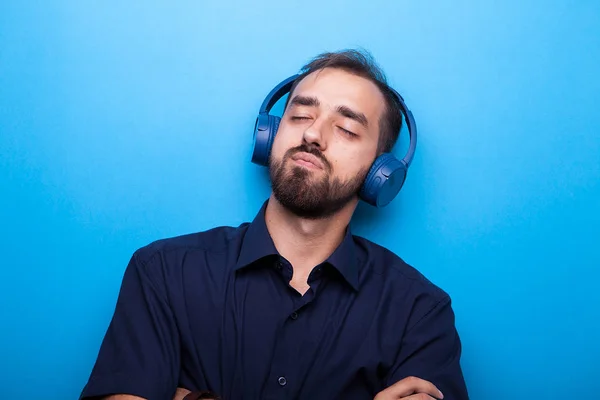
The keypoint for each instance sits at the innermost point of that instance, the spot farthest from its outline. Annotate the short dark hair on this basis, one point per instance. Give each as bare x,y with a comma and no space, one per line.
362,63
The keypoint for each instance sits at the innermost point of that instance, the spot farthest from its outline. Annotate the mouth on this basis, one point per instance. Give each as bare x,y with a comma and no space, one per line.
307,160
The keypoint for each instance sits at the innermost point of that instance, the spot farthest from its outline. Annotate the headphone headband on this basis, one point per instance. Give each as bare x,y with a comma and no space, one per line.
285,86
277,93
412,129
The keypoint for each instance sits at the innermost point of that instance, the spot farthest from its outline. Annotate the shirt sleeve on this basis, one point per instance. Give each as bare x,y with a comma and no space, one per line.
431,350
139,354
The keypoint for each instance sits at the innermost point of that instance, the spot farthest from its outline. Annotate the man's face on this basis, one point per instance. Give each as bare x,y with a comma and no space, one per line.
326,142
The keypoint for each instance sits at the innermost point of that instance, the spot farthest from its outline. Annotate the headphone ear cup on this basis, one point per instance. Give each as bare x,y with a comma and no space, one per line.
265,130
384,180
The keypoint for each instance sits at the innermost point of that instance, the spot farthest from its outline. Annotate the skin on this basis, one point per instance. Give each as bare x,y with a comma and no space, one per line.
348,146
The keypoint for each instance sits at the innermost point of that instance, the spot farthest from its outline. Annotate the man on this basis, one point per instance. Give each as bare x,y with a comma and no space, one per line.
292,305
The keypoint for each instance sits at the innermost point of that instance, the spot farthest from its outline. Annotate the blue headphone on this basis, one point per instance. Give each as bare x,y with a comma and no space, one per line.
386,175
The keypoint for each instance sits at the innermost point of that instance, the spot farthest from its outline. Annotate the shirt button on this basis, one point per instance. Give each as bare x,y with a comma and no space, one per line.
282,381
294,315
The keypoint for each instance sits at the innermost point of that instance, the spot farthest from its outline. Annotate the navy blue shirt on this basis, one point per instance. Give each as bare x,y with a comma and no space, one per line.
214,311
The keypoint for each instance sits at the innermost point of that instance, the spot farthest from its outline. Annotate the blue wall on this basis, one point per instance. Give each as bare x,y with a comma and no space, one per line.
125,122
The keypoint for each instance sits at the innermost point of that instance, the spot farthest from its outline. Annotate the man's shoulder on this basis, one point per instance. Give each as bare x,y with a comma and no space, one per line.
394,270
214,240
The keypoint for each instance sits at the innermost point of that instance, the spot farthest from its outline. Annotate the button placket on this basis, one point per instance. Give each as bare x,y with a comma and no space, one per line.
281,377
280,368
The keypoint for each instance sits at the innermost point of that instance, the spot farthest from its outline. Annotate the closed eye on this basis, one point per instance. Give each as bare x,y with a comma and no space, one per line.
298,118
346,131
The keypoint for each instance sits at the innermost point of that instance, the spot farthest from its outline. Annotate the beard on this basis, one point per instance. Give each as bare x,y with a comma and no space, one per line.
307,196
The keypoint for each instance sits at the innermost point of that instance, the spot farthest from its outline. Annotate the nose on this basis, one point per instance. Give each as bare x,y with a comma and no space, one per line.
314,136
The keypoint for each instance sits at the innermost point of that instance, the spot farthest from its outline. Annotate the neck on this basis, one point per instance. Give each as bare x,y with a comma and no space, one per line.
306,242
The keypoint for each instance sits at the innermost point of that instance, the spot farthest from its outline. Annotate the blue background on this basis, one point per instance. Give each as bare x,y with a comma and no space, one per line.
125,122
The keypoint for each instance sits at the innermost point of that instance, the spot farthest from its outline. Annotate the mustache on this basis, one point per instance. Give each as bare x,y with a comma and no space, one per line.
305,148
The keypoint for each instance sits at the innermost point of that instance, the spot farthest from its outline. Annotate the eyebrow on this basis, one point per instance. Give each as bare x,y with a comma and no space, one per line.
355,115
310,101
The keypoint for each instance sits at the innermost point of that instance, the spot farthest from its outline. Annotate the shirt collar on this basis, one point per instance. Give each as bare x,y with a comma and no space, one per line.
344,259
258,244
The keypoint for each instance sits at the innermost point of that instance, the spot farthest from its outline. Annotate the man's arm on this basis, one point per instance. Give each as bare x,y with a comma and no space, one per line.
139,357
431,350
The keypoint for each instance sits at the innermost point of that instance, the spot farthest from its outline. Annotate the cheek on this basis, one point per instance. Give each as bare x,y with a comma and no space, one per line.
285,139
279,145
347,164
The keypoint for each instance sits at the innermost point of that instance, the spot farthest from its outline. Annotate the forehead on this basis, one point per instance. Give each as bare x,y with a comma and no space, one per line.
336,87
